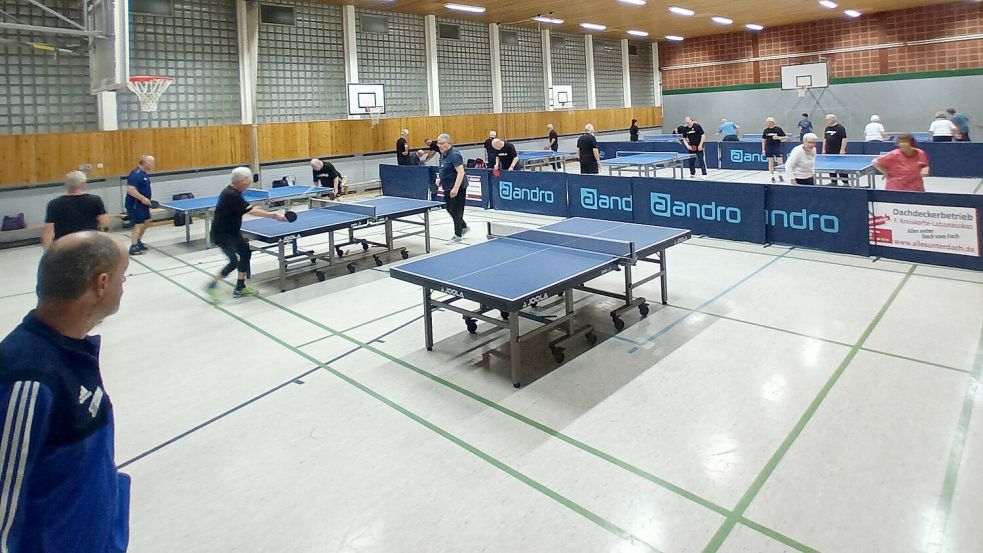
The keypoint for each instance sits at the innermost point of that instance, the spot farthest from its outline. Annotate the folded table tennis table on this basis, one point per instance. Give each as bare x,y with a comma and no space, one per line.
514,273
646,164
335,216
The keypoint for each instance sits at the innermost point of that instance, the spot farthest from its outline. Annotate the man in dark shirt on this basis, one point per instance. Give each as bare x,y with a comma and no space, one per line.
506,158
805,126
587,152
226,233
403,149
771,146
62,492
137,203
553,143
834,142
633,130
694,138
451,179
427,153
327,176
73,212
490,152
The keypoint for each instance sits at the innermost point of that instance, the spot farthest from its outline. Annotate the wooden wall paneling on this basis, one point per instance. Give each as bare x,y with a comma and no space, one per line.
18,161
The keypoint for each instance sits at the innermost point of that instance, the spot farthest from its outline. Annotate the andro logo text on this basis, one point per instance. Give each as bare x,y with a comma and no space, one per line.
591,199
509,191
803,220
662,205
740,156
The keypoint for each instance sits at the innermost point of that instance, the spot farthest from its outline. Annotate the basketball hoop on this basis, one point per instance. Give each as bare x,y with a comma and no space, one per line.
148,89
802,91
374,115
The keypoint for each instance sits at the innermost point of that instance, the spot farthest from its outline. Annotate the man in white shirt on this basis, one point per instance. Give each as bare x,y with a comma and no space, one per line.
801,165
874,130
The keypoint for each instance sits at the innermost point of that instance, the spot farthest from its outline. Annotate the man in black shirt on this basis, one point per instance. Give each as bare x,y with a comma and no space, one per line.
771,146
73,212
327,176
403,149
694,138
834,142
226,233
506,158
490,152
633,130
427,153
587,153
554,143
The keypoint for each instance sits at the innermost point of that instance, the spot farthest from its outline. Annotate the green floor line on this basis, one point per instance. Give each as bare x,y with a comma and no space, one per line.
738,513
660,482
936,535
360,325
763,530
500,465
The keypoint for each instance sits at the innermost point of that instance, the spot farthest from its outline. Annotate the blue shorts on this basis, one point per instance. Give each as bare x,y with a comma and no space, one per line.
138,214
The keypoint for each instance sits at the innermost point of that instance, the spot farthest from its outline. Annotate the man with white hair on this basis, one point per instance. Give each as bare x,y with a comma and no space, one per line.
490,152
403,149
227,234
801,165
771,145
452,180
138,200
327,176
506,156
587,152
73,212
694,140
874,130
834,142
728,130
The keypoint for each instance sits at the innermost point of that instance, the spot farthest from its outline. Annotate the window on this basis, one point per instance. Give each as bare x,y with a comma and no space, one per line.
276,15
509,38
374,24
449,31
152,7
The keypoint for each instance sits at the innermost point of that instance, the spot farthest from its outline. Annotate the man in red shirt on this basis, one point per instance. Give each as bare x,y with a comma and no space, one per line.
905,166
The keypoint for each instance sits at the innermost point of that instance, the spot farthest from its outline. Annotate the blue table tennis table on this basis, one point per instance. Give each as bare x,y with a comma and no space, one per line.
539,159
205,207
646,164
662,138
892,136
857,170
335,216
515,270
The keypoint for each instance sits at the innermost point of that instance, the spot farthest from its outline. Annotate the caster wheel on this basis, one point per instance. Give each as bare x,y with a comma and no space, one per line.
350,267
643,310
618,322
365,246
558,355
378,262
339,251
516,384
504,315
430,348
319,275
591,338
472,325
405,254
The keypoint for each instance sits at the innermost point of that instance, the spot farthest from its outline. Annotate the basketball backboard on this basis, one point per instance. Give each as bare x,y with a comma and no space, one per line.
812,75
561,96
365,97
109,53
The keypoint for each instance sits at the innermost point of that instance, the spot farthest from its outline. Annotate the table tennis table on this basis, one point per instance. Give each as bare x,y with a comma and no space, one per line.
539,159
515,270
892,136
205,207
646,164
856,168
662,138
335,216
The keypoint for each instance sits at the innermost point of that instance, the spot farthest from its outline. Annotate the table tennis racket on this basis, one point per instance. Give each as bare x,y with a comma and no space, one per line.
154,204
291,216
497,172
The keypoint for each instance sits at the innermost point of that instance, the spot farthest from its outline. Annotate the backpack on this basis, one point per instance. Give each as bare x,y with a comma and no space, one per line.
14,222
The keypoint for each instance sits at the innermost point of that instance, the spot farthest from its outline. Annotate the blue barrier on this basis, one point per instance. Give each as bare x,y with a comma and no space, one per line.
927,232
828,219
721,210
600,197
406,181
745,155
539,192
946,159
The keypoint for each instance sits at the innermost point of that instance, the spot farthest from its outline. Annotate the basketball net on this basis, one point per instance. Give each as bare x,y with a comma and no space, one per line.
374,115
148,89
802,91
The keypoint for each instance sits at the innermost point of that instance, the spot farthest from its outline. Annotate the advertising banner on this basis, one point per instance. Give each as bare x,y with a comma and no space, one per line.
829,219
927,228
601,197
722,210
539,192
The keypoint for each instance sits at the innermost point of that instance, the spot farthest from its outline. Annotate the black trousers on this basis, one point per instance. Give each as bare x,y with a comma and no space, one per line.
811,181
941,139
589,167
237,250
455,207
731,138
702,158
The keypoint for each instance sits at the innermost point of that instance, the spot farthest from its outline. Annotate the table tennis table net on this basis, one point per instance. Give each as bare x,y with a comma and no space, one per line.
658,155
345,207
593,244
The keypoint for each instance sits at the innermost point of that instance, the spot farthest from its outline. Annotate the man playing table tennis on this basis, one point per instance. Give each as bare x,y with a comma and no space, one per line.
694,138
226,233
587,152
506,158
451,178
327,176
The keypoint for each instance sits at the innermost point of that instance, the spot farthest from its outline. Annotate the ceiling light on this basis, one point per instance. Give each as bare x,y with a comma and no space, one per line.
633,2
550,20
465,8
681,11
593,26
637,33
828,4
721,20
852,13
753,27
674,37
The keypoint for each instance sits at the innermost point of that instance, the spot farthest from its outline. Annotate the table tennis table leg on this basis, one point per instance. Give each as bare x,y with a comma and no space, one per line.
187,228
515,348
331,250
427,319
389,235
208,234
663,278
426,229
282,260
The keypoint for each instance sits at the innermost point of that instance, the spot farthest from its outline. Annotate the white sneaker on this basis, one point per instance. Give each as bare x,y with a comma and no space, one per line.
456,238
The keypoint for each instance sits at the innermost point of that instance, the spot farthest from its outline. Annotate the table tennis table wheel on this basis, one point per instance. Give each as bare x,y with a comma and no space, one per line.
618,322
350,267
319,275
405,254
339,251
471,324
504,315
591,338
365,245
643,310
557,354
